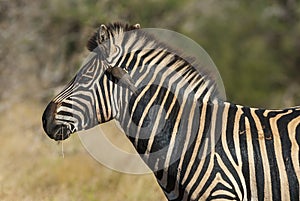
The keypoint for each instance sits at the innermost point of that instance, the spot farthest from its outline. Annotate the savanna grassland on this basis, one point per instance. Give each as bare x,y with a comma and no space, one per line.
255,46
33,168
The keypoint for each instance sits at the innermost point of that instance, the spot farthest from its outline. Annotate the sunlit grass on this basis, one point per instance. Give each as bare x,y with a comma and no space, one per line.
32,166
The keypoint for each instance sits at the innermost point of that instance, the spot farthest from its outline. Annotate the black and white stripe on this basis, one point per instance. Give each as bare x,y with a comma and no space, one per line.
199,147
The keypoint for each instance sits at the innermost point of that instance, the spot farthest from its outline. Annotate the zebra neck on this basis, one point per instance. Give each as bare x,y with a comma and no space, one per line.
166,141
154,126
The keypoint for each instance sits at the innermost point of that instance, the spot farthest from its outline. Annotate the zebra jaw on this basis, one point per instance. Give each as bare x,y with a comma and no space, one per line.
123,77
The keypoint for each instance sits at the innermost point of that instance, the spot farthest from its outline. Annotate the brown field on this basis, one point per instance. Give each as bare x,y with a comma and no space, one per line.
32,166
33,65
42,45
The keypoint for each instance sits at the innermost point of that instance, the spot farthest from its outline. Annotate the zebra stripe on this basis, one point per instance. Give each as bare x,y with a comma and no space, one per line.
198,146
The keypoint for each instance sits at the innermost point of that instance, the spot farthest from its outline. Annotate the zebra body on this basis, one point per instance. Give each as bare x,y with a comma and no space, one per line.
198,146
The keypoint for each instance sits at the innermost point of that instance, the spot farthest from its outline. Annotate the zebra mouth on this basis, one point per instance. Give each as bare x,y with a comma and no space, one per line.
55,130
61,133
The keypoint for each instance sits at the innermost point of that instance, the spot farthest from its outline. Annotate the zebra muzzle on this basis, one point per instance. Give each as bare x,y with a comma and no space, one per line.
53,129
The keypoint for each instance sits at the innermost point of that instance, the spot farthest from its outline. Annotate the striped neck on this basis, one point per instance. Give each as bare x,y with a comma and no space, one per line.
167,85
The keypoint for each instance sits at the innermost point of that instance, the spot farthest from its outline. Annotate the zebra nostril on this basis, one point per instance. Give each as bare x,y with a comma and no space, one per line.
53,128
48,119
44,122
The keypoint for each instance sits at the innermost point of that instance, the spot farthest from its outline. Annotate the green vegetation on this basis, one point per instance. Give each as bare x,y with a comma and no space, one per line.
255,46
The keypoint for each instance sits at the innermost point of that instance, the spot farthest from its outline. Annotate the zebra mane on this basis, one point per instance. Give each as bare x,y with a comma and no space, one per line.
111,27
191,61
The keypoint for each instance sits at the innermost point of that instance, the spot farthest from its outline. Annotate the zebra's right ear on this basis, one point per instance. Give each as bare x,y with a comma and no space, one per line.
137,26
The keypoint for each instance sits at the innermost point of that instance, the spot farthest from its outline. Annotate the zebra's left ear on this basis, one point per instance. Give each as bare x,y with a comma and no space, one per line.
99,37
123,78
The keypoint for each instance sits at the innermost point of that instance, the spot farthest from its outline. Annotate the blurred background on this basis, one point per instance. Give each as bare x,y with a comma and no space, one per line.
255,46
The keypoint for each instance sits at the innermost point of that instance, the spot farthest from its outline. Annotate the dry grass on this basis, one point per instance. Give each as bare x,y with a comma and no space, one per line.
42,45
35,44
32,167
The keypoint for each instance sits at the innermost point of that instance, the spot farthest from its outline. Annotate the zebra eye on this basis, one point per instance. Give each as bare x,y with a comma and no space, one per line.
86,75
114,49
85,79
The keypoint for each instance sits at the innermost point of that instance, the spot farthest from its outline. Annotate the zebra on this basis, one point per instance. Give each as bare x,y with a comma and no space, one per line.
198,146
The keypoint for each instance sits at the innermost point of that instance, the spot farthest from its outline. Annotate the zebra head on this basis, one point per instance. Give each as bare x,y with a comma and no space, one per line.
87,100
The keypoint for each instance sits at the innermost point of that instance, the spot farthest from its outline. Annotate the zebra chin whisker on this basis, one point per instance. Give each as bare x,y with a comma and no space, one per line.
62,133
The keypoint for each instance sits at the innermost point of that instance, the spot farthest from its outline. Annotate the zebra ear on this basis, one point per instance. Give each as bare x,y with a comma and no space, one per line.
102,33
123,77
99,36
137,26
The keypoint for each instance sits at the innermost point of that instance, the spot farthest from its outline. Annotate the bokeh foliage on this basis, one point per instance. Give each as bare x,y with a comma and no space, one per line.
255,45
